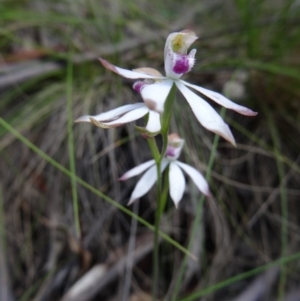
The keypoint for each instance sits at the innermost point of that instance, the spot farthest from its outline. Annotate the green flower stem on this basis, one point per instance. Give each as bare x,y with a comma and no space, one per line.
154,149
157,157
165,124
165,192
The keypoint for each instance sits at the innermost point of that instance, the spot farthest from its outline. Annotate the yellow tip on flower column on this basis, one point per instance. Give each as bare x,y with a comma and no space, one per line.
181,41
177,43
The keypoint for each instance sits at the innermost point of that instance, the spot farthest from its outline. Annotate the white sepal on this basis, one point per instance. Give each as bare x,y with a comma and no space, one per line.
176,182
206,115
144,184
112,114
155,95
197,177
127,73
128,117
137,170
153,124
222,100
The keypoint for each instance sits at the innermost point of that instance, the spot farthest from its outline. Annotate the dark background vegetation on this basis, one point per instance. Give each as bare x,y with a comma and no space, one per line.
248,50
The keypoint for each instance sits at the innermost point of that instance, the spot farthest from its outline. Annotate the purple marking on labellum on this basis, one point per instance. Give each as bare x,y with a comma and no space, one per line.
182,64
170,152
137,86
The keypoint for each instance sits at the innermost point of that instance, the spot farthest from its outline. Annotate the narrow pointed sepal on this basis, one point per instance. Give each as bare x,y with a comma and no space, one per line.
206,114
85,118
196,176
149,71
126,73
144,184
176,182
112,114
222,100
101,124
137,170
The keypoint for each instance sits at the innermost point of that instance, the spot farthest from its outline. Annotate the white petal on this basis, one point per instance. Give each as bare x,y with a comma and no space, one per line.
137,170
144,184
177,183
153,124
196,176
130,116
112,114
222,100
206,115
127,73
155,95
150,71
84,118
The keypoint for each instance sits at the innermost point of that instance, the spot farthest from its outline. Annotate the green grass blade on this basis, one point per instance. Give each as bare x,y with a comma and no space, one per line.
283,201
242,276
71,145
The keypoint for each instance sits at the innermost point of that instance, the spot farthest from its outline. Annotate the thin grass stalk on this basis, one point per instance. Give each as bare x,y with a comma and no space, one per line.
214,288
2,222
3,250
265,146
71,145
198,213
283,203
125,294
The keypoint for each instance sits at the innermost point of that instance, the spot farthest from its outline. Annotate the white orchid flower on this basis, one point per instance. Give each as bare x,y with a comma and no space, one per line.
124,114
177,63
176,177
128,113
